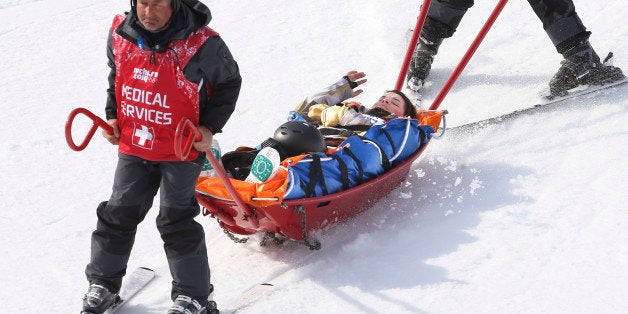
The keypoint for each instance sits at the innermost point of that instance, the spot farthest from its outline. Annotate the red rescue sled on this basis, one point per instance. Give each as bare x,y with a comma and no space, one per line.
296,219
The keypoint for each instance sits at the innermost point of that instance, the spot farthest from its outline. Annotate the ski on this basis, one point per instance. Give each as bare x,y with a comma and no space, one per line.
276,282
133,283
249,296
546,98
542,104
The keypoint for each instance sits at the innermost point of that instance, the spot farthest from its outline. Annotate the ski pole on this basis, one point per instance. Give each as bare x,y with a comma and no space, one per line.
98,122
182,151
415,37
467,56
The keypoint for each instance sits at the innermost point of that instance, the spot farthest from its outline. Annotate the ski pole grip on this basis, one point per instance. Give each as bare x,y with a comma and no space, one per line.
98,122
182,150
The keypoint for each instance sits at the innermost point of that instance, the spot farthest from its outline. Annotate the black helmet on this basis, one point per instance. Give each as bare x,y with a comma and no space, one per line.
298,137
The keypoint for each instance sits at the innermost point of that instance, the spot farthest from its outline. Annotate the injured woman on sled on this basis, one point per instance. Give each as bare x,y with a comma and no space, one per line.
329,144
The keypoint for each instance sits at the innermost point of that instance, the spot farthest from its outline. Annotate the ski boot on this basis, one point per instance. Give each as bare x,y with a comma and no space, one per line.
421,62
186,305
98,299
582,66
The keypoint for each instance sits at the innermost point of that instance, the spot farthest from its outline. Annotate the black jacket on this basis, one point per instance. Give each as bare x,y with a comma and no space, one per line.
213,63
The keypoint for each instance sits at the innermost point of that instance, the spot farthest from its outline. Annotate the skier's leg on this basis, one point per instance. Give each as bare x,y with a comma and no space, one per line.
443,18
135,184
184,238
581,64
560,21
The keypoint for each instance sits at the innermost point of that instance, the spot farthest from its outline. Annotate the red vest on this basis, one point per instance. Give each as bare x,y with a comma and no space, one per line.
152,94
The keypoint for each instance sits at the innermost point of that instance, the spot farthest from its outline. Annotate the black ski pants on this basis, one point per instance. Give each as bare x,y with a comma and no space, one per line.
559,18
135,185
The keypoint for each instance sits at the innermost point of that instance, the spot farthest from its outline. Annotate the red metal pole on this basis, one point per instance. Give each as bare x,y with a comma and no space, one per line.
415,37
474,46
244,208
182,150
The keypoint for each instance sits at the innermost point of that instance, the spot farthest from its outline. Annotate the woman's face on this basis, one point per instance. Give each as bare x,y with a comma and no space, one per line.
154,14
392,103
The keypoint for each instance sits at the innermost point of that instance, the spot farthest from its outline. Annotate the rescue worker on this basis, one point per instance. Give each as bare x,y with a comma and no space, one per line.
166,65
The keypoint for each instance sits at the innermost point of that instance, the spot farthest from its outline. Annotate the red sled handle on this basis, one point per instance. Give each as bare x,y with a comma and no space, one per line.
98,122
182,150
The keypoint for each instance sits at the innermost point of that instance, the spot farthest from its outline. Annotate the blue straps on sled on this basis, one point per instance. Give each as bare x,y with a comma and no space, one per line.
359,160
399,138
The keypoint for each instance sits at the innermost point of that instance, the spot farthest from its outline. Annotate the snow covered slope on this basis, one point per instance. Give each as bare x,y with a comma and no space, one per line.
525,216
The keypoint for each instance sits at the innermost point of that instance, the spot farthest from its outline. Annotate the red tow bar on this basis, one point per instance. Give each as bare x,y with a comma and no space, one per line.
98,122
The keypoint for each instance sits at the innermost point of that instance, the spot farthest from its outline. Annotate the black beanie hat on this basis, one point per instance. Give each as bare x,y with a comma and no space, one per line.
176,4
